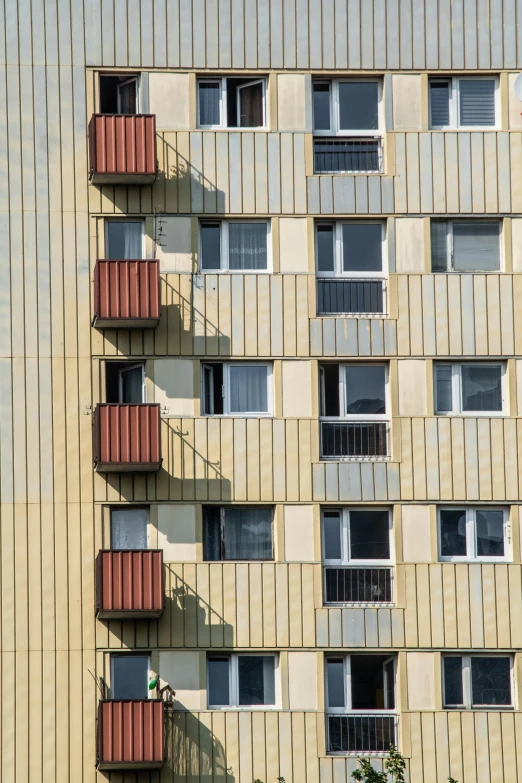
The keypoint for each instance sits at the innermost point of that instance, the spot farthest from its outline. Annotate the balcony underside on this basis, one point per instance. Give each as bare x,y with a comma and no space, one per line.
127,467
125,323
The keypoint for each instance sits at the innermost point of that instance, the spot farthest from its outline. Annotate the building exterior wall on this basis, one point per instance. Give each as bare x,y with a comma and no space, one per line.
54,508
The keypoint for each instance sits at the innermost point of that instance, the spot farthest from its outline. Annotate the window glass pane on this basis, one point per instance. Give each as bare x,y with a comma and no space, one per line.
251,106
439,245
248,534
325,248
481,388
490,681
321,106
476,246
358,102
439,103
218,681
329,374
335,682
127,97
365,389
130,675
248,389
256,676
210,246
247,245
211,533
131,385
453,532
389,685
369,535
477,101
453,693
362,247
490,533
124,239
332,535
209,98
443,386
129,528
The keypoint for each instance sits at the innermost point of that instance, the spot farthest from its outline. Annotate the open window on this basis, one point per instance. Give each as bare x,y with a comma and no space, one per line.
243,680
129,527
238,533
130,676
477,681
234,245
119,93
125,382
124,239
469,388
236,388
466,534
231,102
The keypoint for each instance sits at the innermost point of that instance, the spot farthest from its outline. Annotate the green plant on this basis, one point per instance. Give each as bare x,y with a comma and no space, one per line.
394,766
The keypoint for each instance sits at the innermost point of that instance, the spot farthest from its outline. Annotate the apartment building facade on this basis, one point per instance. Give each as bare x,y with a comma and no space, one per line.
260,390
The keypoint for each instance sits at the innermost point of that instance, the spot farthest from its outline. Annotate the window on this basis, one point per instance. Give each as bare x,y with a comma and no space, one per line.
129,527
472,681
230,102
356,549
469,388
119,94
130,676
347,107
237,533
465,245
237,246
236,389
473,534
463,102
125,382
238,680
124,239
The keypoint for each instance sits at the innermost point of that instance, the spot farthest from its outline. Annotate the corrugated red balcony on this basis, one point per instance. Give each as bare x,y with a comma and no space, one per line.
126,437
122,149
130,734
129,584
126,293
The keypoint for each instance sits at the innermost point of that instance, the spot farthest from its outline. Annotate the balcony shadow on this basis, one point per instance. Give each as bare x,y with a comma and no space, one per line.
192,616
188,188
193,750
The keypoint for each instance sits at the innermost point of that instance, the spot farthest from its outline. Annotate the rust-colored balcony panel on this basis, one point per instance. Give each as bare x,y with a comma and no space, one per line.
126,293
126,437
122,149
129,584
130,734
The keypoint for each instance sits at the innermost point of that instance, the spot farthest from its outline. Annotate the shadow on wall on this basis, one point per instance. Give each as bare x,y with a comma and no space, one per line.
193,751
192,617
183,187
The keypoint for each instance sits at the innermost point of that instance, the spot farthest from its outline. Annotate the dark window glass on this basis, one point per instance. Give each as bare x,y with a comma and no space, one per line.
130,676
321,107
358,106
490,533
365,389
481,388
211,533
209,97
335,682
367,681
124,239
440,92
251,106
369,535
332,535
453,694
444,387
210,246
131,385
256,679
325,247
490,681
330,389
213,389
362,247
453,532
389,685
248,534
218,681
127,97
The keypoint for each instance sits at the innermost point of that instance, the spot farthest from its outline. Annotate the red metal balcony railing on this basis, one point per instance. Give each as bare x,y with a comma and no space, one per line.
130,734
122,149
126,293
129,584
126,437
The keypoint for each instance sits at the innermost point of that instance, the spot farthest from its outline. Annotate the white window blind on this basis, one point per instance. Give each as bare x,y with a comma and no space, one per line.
476,246
477,101
440,92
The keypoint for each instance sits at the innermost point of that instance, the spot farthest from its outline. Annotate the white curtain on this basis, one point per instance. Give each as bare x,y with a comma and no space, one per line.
248,534
247,245
248,389
124,239
209,94
129,528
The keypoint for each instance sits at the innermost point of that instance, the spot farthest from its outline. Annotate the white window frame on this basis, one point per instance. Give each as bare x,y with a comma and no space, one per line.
126,219
335,130
344,416
127,368
450,267
466,683
338,250
222,80
471,536
130,507
226,389
454,102
456,389
233,682
136,80
347,709
344,512
224,248
134,653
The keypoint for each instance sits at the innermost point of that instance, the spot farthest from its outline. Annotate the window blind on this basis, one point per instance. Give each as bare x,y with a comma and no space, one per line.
439,103
477,101
476,245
